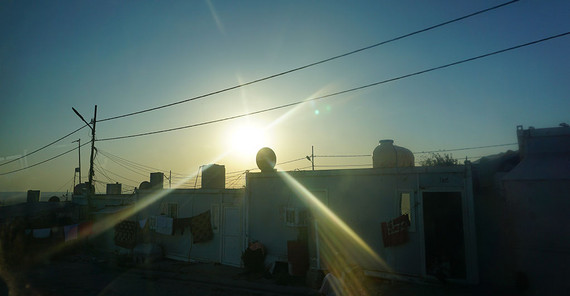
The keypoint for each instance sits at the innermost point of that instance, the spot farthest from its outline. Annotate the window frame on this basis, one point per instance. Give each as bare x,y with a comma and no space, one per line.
412,207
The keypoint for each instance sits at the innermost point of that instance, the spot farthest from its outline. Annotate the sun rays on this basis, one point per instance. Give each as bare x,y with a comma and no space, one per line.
340,246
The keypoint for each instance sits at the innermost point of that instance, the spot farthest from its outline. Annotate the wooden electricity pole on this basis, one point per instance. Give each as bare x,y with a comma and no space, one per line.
90,192
91,170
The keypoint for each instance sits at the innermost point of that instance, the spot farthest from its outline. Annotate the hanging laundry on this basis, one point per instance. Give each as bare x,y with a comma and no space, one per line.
395,232
164,225
58,234
179,224
126,234
142,223
201,228
41,233
70,232
85,228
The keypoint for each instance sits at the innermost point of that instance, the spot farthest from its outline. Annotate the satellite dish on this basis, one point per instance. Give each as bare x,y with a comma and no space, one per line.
145,185
266,159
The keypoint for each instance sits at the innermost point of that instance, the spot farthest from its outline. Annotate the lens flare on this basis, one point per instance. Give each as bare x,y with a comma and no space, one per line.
340,245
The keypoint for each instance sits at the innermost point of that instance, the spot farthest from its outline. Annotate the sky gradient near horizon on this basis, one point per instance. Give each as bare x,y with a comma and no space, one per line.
126,56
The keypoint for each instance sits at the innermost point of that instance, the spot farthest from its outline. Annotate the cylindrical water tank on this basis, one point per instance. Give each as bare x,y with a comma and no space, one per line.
157,180
213,176
114,188
388,155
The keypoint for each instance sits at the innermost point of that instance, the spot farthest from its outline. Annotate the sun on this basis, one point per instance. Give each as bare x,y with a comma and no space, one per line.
246,140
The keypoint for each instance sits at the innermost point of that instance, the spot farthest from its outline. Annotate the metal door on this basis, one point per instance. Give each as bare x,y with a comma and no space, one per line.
232,235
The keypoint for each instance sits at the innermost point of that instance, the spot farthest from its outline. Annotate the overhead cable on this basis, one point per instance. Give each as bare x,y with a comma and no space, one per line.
290,161
124,166
309,65
39,149
340,92
345,155
42,162
343,165
425,152
468,148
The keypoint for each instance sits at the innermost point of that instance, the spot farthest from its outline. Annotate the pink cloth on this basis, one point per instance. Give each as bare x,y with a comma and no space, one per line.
85,228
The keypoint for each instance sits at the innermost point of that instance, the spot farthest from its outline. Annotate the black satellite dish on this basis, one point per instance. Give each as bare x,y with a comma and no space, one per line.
266,159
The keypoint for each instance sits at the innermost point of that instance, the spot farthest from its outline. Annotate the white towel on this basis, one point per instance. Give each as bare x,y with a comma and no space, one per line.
164,225
70,232
142,223
42,233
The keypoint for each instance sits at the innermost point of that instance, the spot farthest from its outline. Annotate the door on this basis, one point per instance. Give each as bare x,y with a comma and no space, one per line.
444,235
232,236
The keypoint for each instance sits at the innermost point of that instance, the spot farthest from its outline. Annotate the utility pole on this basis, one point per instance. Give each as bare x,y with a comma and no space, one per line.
91,170
78,170
312,158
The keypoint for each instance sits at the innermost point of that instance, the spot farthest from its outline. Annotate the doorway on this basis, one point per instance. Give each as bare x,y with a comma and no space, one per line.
444,235
232,235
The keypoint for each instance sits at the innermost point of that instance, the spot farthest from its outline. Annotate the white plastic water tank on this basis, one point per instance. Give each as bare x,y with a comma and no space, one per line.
388,155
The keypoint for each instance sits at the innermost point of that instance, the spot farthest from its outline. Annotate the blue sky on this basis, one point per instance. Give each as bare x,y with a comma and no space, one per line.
125,56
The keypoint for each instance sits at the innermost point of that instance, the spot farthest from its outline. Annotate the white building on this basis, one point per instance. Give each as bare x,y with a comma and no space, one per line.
339,214
222,208
537,195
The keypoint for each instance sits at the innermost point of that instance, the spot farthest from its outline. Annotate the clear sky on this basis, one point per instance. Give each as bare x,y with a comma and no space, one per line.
126,56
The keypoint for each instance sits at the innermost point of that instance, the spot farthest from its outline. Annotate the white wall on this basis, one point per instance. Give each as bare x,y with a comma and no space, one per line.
192,203
363,199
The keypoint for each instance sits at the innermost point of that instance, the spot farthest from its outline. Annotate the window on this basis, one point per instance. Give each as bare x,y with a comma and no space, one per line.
407,207
172,210
296,217
169,209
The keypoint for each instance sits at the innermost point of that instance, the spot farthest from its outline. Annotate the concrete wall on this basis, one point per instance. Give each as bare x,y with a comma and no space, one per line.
362,199
191,203
540,226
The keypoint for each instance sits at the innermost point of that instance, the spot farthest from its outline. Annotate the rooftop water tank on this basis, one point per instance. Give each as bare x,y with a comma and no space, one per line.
114,188
388,155
213,176
33,196
157,180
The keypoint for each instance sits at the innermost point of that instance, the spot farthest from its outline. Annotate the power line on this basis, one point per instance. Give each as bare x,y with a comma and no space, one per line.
253,169
425,152
236,179
343,165
345,155
468,148
303,168
39,149
340,92
139,166
290,161
42,162
69,181
311,64
102,172
124,166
